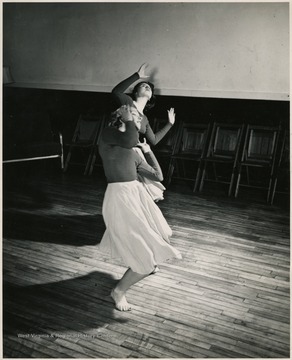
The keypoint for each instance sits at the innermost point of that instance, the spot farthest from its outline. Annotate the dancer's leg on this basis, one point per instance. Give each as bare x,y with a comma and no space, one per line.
118,294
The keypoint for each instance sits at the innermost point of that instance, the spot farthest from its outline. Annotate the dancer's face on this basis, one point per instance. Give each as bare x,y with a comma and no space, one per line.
144,89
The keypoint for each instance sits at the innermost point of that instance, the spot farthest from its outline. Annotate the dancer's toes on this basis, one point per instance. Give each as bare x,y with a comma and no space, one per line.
120,301
156,269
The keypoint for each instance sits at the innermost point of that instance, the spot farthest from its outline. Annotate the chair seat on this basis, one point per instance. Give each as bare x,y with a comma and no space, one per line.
163,150
187,156
222,159
28,136
259,163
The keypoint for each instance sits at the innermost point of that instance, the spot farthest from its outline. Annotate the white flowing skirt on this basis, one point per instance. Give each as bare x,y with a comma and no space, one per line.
136,230
154,188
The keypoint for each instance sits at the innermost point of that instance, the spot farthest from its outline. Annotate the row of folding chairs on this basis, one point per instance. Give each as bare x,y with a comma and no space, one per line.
219,152
236,154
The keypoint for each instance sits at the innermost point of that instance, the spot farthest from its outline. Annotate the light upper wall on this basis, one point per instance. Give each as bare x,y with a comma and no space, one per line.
224,50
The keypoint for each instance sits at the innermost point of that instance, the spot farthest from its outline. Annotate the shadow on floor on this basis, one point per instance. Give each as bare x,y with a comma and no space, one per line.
77,230
75,305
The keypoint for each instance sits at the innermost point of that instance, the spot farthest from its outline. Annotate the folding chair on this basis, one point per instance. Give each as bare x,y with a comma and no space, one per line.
223,150
84,141
259,153
95,155
281,176
29,137
186,161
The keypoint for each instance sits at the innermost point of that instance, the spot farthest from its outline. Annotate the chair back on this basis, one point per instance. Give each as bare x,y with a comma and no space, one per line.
261,144
225,141
193,139
87,129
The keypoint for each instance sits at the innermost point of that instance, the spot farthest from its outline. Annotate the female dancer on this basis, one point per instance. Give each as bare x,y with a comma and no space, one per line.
143,99
136,230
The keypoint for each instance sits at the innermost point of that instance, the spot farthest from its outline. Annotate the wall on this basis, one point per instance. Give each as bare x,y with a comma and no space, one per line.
226,50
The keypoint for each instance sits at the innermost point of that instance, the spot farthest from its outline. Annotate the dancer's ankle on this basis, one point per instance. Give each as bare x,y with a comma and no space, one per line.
120,300
118,291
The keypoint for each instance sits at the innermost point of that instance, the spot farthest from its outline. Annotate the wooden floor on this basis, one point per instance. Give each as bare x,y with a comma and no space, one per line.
228,297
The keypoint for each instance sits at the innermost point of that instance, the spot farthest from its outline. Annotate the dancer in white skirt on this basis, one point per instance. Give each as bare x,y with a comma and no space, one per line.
136,230
143,99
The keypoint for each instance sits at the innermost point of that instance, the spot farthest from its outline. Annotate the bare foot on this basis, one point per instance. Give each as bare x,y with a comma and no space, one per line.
120,300
156,269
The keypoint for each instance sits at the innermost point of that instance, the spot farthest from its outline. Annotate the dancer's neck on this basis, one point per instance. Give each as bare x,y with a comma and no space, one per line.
140,104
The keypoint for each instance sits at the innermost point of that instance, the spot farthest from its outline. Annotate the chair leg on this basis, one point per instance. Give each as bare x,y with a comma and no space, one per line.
62,151
68,160
62,161
88,163
274,186
197,179
237,183
231,184
269,189
169,172
203,178
92,163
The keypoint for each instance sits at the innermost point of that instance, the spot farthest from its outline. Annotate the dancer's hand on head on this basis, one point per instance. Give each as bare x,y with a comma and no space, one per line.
144,146
171,116
125,113
141,71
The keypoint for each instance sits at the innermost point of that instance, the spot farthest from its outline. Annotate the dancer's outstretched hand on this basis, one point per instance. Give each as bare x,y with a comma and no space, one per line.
142,72
171,116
